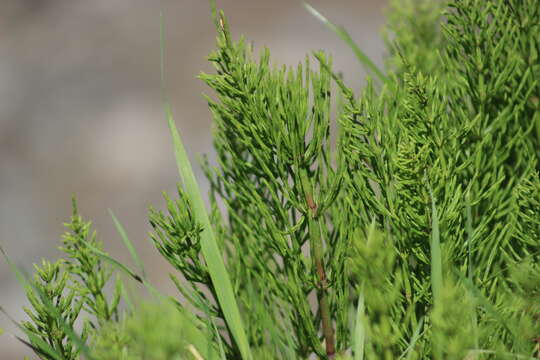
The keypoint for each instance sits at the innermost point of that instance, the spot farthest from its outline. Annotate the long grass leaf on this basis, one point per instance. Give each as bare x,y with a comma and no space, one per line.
209,248
408,353
220,342
344,35
470,272
359,334
118,265
212,255
114,262
475,353
127,298
436,258
359,329
436,265
199,343
507,322
129,245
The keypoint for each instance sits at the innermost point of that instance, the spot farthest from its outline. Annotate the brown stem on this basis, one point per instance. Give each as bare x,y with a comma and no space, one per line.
324,308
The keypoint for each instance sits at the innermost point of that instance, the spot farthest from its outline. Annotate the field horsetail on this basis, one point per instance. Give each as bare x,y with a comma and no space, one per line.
414,235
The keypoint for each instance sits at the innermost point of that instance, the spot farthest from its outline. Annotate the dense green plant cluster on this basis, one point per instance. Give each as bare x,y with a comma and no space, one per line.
408,229
62,291
156,331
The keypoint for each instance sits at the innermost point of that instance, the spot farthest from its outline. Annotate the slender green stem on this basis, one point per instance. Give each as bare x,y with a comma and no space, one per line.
316,244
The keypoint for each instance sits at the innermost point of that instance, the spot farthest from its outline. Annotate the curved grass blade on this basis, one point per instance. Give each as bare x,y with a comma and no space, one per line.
129,245
359,338
408,353
127,298
436,258
488,307
220,343
359,335
475,353
470,272
200,345
211,253
216,267
115,263
344,35
436,265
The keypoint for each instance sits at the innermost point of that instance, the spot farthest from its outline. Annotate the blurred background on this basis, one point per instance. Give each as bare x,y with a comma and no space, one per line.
81,111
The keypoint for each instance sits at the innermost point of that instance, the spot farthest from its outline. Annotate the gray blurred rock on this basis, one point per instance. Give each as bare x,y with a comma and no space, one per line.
80,110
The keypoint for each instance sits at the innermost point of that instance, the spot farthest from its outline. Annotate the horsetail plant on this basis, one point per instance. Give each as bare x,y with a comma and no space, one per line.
403,223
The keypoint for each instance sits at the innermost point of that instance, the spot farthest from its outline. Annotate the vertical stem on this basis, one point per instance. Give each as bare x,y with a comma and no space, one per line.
470,274
316,244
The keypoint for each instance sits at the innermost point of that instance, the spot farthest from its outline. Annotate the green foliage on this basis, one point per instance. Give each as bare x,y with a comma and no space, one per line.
61,291
87,271
47,324
140,336
413,35
369,269
277,182
409,230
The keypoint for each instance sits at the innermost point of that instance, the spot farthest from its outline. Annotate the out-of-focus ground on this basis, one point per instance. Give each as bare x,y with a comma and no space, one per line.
81,111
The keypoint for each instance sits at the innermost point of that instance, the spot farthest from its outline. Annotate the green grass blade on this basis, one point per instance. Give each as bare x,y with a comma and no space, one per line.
414,339
359,329
118,265
129,245
506,321
200,345
222,355
114,262
197,337
468,226
212,255
359,334
436,258
436,264
344,35
127,298
476,353
470,272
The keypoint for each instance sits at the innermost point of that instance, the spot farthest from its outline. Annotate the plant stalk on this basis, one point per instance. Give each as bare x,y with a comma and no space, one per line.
316,245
